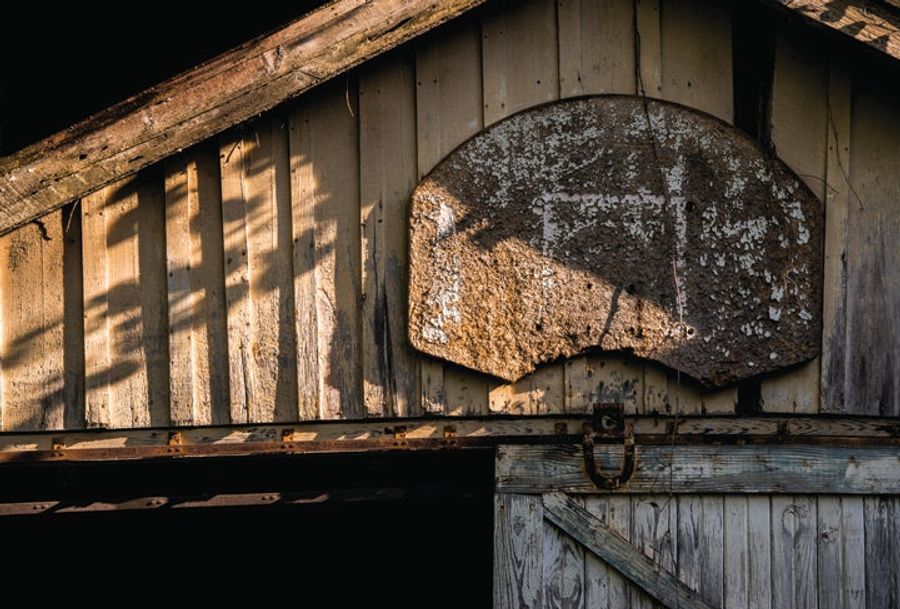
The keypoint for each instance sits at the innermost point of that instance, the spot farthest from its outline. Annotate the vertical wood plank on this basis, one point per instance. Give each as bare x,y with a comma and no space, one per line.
872,385
518,551
604,587
73,320
648,48
829,553
596,47
837,204
520,57
759,533
325,162
690,537
198,358
841,553
696,55
126,321
712,588
618,517
853,540
799,130
737,553
256,215
34,382
654,531
794,552
563,570
700,539
448,110
97,355
387,116
305,257
882,532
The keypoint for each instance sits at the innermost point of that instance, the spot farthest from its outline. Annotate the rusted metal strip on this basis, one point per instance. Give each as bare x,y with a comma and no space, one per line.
435,434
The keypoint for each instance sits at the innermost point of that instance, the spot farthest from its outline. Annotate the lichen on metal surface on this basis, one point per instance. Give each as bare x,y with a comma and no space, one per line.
607,222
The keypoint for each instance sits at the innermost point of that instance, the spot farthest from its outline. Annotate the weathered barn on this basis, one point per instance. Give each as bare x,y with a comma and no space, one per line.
644,255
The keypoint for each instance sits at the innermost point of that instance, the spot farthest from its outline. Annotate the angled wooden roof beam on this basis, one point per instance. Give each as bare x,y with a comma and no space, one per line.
204,101
872,22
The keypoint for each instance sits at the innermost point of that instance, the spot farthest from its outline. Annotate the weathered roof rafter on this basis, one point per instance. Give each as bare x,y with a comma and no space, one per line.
872,22
207,100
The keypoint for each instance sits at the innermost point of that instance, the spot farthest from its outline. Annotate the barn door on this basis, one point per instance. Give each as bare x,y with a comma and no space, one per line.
618,551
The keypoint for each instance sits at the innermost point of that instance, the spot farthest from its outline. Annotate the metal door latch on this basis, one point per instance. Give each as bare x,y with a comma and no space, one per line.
608,427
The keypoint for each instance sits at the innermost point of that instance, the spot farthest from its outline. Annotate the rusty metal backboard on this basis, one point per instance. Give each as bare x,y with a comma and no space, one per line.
619,224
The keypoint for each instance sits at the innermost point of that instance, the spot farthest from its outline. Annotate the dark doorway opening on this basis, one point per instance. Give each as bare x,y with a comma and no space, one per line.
399,530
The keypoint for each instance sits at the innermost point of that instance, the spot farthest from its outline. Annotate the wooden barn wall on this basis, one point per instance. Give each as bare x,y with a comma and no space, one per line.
261,276
736,551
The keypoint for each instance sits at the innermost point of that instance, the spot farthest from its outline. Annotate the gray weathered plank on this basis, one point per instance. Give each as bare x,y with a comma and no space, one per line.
882,521
604,587
207,100
563,570
518,552
837,208
654,532
587,529
872,385
710,469
841,553
794,552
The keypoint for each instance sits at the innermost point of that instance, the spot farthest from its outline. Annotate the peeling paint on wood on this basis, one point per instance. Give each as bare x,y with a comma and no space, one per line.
605,222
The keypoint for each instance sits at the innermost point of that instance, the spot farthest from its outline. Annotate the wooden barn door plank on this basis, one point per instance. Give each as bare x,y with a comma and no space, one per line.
520,55
604,587
387,115
799,129
794,530
448,111
198,334
882,564
325,168
841,555
563,570
700,545
518,552
34,382
257,236
126,325
654,531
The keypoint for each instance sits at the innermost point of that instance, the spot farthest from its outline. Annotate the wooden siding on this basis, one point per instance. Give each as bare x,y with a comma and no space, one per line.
260,276
735,551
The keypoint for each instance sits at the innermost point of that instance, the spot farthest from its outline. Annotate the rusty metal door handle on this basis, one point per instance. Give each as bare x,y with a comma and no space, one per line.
609,427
